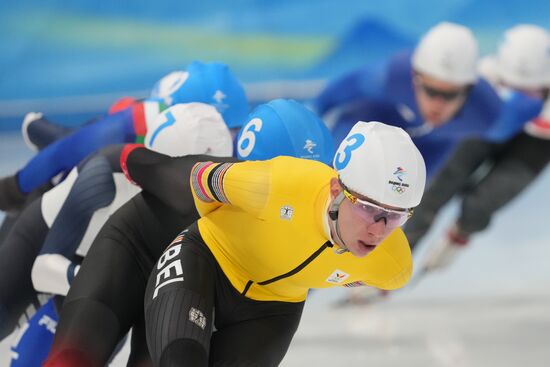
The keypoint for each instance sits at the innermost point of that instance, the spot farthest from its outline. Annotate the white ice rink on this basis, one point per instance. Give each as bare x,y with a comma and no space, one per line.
490,308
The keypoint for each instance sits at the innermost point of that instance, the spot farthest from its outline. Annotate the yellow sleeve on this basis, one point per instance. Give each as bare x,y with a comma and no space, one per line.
245,185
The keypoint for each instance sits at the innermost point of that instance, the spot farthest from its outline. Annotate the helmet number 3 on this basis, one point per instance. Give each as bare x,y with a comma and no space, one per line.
343,155
248,138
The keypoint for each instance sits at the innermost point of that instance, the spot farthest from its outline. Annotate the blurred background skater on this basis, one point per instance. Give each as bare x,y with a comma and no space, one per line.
489,173
433,93
211,83
61,225
497,119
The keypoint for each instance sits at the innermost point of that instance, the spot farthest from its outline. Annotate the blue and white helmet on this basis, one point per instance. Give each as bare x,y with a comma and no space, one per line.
284,127
212,83
168,84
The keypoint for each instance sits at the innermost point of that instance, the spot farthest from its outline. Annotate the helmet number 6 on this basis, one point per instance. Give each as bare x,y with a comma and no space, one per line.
248,139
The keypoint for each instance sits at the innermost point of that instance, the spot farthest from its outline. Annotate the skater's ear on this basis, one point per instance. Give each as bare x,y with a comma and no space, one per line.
335,187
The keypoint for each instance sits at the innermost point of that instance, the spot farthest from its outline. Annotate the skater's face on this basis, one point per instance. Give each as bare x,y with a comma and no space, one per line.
438,101
363,223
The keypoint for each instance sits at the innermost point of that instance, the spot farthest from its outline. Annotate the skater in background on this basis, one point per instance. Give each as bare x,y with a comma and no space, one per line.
211,83
434,93
54,233
519,70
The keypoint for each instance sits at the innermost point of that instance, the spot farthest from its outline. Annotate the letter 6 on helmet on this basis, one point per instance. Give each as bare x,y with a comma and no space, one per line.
382,163
285,127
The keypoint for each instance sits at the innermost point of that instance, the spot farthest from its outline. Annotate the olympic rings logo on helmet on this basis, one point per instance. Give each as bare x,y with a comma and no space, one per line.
398,189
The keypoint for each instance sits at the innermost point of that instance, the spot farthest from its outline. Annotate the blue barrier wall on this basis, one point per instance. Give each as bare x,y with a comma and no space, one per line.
71,58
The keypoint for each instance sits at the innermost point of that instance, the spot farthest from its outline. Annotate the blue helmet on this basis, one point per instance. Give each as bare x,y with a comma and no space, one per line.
212,83
284,127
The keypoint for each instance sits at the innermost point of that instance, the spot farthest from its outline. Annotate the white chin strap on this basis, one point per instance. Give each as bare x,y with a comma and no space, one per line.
333,216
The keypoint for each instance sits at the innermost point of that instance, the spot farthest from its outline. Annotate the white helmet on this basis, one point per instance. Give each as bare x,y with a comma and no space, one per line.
190,128
523,57
448,52
381,162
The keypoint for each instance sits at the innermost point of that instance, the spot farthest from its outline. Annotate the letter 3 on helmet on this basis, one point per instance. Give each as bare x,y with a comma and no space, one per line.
284,127
212,83
448,52
189,128
381,162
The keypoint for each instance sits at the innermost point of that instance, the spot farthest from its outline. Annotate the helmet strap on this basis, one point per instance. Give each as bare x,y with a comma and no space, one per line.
333,215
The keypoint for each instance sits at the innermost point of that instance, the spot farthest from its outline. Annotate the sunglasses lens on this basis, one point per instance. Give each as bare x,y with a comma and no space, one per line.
445,95
397,220
371,214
